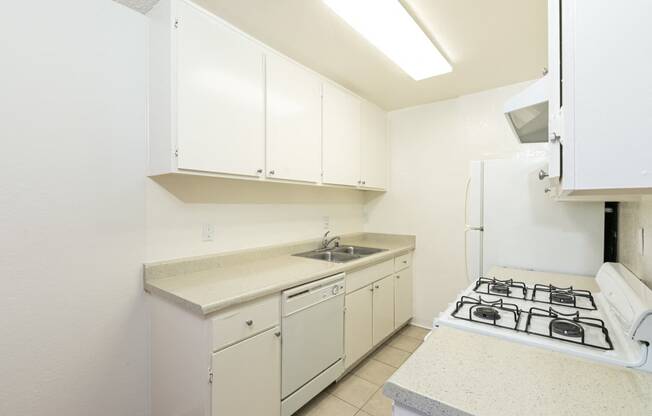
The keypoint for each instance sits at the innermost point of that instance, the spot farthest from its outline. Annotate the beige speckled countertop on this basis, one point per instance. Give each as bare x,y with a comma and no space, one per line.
457,372
210,283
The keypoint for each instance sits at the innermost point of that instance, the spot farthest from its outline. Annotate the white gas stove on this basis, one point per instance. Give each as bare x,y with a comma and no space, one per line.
612,326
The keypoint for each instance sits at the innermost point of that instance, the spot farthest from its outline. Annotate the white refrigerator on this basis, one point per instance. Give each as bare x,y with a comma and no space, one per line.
512,222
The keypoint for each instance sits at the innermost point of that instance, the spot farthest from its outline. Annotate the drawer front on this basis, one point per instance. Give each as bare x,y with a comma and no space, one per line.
402,262
242,321
364,277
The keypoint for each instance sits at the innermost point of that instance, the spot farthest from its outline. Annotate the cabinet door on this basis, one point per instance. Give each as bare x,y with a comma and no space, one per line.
341,139
373,146
358,324
247,377
294,121
402,297
383,310
220,97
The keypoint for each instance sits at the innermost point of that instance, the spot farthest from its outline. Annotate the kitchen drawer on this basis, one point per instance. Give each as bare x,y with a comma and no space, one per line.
242,321
402,262
364,277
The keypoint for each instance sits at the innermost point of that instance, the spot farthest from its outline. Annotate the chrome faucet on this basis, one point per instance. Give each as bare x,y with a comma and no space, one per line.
325,242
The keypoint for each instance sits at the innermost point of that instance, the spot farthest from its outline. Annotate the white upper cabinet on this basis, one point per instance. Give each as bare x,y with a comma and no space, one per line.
220,97
373,146
341,137
293,121
223,104
600,102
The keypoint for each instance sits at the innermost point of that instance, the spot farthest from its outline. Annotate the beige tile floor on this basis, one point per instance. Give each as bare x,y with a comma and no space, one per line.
360,393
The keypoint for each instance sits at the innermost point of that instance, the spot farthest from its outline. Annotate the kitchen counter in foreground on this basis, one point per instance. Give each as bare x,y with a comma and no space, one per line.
211,283
459,373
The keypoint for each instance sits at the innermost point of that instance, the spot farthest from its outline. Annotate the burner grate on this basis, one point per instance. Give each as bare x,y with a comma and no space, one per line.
496,287
563,296
569,327
495,313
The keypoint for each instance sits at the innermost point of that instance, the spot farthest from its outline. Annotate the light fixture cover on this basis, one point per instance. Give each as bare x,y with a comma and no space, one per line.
391,29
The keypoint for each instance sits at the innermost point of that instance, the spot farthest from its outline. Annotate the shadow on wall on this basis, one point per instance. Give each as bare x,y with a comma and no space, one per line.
195,189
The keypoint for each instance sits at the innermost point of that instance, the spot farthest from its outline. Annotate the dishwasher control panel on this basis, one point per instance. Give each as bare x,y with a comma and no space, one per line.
305,296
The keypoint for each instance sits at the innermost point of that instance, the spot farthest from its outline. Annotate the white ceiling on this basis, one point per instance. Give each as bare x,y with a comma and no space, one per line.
490,43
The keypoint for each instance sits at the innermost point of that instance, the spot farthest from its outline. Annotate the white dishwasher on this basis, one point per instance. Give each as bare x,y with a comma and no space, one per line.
313,340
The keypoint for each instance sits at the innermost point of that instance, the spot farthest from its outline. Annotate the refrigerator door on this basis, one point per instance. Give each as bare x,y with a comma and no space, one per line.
474,221
524,228
474,255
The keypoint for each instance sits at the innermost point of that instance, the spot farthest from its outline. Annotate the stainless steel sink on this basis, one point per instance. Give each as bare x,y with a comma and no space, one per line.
358,251
327,255
340,254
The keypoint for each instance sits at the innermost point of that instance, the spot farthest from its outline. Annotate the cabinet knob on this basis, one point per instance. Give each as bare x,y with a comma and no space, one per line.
371,288
547,190
398,276
377,287
542,174
259,171
277,334
404,261
364,182
271,172
554,137
249,322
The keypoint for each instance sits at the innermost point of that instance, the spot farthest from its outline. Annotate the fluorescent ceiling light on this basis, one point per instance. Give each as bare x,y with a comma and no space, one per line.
390,28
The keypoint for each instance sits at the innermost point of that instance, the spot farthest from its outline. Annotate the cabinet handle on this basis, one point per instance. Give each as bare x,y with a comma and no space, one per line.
554,137
259,171
271,172
542,174
249,322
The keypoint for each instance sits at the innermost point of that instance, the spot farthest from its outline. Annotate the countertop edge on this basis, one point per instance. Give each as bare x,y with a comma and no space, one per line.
426,405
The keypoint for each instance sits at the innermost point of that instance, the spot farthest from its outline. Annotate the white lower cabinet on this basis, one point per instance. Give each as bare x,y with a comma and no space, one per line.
383,309
358,324
378,301
403,296
247,377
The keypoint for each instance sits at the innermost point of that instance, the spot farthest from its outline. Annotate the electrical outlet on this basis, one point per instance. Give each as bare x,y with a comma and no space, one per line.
208,232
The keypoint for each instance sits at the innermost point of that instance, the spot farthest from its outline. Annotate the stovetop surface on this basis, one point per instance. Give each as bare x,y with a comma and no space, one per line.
564,319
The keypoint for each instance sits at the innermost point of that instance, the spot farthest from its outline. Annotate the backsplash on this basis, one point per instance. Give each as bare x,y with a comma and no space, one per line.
632,216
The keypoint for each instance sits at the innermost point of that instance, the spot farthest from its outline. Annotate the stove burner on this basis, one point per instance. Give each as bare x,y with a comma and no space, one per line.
567,329
486,312
500,288
562,297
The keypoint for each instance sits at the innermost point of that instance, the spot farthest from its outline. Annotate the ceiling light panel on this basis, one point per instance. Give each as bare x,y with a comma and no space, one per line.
390,28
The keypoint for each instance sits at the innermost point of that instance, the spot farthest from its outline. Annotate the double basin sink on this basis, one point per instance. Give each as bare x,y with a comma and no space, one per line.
341,254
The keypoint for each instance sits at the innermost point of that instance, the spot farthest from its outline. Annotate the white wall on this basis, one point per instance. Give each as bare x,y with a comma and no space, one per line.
72,106
245,214
632,216
431,147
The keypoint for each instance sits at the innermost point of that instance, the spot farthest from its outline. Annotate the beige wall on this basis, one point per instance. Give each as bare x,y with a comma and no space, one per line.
73,323
245,214
431,147
632,216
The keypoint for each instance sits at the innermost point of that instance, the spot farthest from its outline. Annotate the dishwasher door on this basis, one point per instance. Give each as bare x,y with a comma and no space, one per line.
313,331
